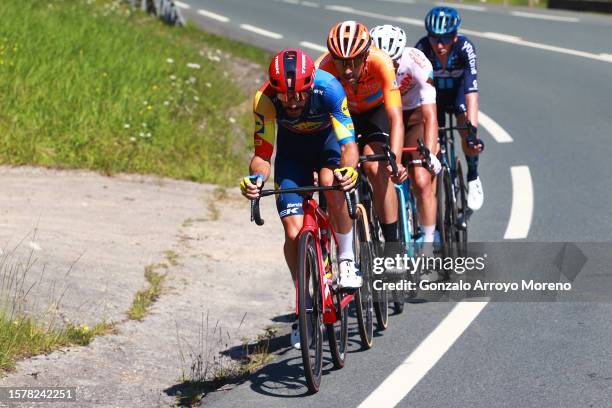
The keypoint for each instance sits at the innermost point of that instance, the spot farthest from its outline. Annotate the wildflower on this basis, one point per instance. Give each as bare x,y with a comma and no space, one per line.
149,107
208,84
195,98
132,139
141,134
192,80
148,134
170,61
143,124
193,65
173,77
126,125
232,120
85,328
155,87
166,103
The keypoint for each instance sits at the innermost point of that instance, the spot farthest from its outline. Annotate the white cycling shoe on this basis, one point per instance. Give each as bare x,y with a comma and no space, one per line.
350,277
475,196
295,336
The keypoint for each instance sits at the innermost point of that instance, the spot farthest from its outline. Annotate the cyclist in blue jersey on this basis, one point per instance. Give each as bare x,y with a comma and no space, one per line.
453,57
315,134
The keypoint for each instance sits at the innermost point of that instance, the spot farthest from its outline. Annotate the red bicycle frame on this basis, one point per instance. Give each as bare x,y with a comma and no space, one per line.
315,221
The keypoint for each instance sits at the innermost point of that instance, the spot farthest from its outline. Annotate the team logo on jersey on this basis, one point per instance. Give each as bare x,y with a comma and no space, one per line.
344,107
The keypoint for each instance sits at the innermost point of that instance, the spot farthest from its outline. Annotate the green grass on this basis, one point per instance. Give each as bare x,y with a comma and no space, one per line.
145,298
91,84
25,336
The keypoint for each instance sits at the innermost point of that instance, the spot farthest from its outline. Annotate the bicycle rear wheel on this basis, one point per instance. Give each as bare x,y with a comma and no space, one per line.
310,320
337,333
444,213
363,297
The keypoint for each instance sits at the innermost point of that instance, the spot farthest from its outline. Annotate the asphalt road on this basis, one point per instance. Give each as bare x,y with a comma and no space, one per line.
547,81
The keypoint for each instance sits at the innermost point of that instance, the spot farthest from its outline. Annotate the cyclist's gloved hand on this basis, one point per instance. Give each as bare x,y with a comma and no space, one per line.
435,165
472,139
250,186
347,178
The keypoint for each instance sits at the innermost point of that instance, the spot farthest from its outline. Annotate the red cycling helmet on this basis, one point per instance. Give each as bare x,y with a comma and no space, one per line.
291,70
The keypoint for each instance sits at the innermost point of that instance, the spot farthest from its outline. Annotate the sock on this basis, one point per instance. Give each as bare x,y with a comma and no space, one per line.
345,245
429,233
472,162
390,232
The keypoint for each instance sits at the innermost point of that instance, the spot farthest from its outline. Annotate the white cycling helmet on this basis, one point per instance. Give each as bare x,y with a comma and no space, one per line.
390,39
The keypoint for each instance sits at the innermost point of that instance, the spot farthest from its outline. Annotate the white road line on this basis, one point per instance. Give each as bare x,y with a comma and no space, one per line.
545,17
309,4
491,36
498,133
261,31
313,46
400,1
182,5
463,6
403,379
212,15
522,203
501,37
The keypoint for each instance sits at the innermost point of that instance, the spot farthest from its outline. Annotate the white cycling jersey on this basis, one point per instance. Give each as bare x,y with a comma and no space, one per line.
412,74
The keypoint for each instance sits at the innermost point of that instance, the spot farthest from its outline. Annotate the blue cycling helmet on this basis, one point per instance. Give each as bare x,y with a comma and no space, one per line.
442,20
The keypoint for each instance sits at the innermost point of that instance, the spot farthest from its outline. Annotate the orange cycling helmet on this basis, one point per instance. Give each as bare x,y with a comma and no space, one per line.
348,39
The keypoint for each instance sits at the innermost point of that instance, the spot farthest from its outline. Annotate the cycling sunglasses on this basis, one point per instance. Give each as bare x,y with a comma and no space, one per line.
352,63
444,39
296,96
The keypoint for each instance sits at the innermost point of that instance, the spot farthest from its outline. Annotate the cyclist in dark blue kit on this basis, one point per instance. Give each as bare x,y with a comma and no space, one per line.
453,57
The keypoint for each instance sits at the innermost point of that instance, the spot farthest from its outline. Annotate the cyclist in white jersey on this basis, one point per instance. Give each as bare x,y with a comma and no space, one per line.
414,75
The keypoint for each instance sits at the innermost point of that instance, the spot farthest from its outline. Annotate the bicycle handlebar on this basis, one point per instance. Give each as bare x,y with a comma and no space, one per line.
256,215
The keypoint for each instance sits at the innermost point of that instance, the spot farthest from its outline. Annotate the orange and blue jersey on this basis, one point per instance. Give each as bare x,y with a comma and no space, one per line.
376,82
326,109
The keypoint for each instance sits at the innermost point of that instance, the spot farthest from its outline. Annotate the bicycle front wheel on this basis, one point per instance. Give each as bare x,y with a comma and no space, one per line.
363,297
310,312
461,234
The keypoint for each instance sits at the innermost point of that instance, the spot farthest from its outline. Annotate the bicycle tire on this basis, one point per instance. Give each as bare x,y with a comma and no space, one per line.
462,212
381,298
337,334
364,306
311,341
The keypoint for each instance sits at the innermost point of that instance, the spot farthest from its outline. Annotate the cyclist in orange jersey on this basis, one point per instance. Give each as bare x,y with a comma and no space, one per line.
367,75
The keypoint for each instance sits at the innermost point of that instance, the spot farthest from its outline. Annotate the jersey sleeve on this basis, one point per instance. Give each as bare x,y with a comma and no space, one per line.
470,80
264,114
424,76
386,75
336,103
420,45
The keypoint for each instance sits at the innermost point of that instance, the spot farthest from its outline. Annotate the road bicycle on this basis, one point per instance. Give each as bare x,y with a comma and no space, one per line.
377,300
320,303
451,192
409,229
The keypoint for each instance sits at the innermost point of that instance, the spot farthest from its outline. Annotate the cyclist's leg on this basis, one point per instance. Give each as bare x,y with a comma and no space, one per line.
422,179
292,168
385,197
336,205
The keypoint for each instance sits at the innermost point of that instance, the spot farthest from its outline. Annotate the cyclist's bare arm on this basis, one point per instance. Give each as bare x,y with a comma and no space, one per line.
471,100
430,119
259,165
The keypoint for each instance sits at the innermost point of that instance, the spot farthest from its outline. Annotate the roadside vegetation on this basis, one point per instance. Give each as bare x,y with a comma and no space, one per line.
24,331
93,84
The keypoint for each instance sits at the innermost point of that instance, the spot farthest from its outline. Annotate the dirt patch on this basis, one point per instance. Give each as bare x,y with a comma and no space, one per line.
227,269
